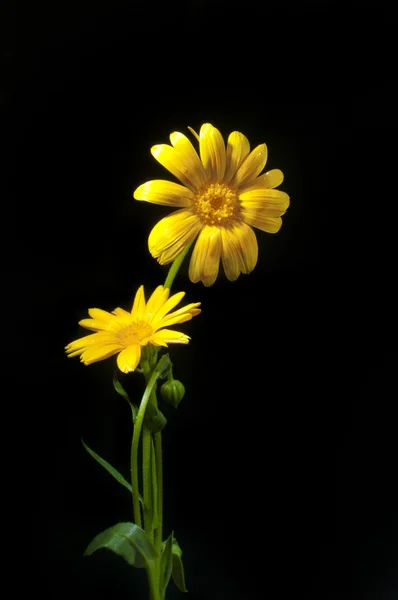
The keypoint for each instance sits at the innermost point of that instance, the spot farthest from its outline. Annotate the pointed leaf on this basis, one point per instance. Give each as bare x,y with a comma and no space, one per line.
122,392
128,541
163,366
165,565
177,567
108,467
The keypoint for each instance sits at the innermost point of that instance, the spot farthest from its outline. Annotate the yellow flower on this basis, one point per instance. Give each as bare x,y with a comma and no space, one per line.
222,196
126,332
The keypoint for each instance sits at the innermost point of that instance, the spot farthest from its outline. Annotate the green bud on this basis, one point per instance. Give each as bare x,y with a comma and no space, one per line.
172,391
154,419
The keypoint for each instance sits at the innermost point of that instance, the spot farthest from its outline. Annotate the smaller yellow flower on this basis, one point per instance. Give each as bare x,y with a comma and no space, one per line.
124,333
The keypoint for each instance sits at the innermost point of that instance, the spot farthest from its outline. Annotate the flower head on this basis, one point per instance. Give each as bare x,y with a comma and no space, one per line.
125,333
221,197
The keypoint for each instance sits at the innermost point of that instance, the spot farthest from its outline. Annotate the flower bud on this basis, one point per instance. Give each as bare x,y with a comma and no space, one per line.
154,419
172,391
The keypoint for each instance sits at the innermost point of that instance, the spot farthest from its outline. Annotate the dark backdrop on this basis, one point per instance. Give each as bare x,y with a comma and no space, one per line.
280,463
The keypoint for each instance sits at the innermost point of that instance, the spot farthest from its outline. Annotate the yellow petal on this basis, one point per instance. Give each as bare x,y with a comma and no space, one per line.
177,164
102,320
194,133
170,337
101,337
257,202
97,353
167,307
238,149
93,324
153,341
138,310
180,316
251,167
120,312
71,354
231,254
157,300
212,152
184,146
205,258
163,192
172,234
242,246
263,222
101,315
129,358
271,179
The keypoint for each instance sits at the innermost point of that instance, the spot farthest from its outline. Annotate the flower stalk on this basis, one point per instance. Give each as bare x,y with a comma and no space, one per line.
152,470
175,267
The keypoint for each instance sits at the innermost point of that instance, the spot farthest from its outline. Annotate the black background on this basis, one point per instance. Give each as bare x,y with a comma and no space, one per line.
280,463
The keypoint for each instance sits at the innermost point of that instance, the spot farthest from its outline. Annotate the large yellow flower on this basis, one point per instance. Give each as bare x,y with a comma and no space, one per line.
126,332
222,196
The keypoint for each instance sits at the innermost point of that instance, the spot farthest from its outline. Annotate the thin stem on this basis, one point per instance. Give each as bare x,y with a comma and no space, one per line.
157,437
158,372
159,471
147,481
176,264
134,477
154,488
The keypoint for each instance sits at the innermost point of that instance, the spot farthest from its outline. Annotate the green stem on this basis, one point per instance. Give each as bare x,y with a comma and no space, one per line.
147,481
153,581
159,370
159,471
176,264
134,477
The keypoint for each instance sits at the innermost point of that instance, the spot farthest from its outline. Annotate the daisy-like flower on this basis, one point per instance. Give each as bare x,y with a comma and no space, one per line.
125,333
221,198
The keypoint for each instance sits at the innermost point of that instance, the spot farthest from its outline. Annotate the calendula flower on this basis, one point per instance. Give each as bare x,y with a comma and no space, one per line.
221,198
125,333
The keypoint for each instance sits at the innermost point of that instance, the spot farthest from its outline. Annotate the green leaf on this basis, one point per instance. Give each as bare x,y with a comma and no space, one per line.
177,567
163,366
122,392
108,467
165,565
128,541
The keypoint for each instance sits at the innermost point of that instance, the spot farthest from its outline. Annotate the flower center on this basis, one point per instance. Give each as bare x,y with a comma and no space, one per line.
216,204
134,333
